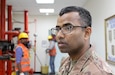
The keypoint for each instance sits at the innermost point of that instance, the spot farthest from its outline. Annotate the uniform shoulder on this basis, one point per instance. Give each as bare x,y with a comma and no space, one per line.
98,65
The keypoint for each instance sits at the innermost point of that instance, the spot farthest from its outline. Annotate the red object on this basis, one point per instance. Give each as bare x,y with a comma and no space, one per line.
2,33
12,33
2,65
31,72
6,65
9,21
2,19
9,67
26,21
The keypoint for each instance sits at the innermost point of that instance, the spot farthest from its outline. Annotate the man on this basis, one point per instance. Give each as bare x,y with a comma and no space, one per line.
73,32
52,52
22,55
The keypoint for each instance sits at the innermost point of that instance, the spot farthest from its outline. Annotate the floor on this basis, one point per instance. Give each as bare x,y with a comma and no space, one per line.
42,74
39,74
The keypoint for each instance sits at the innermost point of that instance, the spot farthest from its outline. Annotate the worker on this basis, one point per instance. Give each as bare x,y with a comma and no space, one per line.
73,31
52,53
22,55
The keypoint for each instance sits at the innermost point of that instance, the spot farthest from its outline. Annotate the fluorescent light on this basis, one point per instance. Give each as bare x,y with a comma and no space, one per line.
47,13
45,1
46,10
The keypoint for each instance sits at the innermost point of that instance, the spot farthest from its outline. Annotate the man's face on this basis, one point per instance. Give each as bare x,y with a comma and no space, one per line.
73,41
24,41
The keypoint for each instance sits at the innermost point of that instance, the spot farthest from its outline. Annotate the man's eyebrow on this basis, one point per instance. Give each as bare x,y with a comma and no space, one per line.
66,24
57,26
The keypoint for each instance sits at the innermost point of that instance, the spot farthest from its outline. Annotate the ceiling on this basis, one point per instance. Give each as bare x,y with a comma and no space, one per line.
18,6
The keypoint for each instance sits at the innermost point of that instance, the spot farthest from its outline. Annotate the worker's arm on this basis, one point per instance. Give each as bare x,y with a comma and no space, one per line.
51,46
19,54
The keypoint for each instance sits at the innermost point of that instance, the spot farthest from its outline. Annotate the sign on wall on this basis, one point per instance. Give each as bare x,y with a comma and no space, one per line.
110,38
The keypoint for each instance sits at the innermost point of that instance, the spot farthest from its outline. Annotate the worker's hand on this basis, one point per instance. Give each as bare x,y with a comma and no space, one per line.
13,59
47,51
21,73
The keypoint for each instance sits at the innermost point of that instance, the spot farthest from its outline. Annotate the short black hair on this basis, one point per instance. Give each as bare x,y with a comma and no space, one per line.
86,18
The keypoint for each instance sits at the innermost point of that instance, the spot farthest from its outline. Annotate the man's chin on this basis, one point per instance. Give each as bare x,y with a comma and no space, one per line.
63,51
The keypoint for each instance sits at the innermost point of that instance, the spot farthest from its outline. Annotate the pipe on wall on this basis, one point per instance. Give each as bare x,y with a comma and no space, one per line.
9,62
10,33
9,21
2,19
26,21
2,33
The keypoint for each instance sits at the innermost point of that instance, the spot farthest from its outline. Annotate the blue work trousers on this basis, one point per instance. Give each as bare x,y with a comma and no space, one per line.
52,65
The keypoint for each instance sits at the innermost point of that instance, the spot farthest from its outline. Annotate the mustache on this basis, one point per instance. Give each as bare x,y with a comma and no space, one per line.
61,42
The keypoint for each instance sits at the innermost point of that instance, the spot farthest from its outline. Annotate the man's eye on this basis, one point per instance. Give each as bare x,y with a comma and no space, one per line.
68,27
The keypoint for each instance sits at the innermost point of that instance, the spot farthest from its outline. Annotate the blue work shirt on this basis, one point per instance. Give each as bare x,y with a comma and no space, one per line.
19,54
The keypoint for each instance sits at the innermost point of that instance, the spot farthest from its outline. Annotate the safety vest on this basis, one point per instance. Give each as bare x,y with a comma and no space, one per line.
25,62
52,52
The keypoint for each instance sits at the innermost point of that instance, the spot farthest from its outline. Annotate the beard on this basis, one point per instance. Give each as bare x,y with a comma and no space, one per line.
26,44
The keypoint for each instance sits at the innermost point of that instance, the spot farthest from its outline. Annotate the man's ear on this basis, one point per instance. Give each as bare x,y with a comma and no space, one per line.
88,32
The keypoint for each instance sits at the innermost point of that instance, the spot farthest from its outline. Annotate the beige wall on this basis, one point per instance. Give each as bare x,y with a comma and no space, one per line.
100,10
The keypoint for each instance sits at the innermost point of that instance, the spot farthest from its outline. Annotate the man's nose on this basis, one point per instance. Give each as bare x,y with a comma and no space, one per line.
60,35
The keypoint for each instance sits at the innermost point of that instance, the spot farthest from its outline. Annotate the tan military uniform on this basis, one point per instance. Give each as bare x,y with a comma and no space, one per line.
88,64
